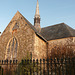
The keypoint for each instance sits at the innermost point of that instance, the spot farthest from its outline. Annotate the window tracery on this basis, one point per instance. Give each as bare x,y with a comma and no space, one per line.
11,51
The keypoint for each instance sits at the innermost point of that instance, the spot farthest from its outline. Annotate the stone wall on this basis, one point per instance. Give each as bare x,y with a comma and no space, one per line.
24,35
73,39
74,43
26,40
40,48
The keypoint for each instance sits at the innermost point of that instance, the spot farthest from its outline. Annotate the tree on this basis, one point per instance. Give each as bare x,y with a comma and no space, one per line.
66,50
63,53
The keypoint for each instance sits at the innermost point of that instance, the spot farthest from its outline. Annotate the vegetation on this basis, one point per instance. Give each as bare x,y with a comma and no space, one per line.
0,69
63,53
66,50
27,66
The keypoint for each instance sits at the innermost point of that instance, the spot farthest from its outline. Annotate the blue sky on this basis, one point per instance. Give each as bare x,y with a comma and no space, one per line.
51,11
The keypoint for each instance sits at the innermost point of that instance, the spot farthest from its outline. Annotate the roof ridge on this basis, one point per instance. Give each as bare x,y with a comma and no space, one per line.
68,29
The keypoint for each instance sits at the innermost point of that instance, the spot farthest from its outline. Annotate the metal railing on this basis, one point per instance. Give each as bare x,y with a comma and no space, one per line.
54,66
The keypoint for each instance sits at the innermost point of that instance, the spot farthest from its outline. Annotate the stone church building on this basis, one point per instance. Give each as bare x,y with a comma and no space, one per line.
20,37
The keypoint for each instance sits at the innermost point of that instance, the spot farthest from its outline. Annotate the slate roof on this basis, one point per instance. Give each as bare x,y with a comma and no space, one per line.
57,31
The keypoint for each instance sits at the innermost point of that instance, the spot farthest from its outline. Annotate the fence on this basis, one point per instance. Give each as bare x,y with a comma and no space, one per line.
38,67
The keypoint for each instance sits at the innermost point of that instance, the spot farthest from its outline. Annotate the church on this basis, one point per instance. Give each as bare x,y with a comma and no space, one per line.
20,37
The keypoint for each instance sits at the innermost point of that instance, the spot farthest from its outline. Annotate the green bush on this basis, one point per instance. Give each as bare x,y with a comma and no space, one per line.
26,66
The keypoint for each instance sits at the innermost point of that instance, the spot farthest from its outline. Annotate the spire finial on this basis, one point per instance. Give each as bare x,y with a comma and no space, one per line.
37,10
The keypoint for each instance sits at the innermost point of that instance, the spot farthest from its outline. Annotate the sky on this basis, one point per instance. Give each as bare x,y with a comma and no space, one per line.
51,11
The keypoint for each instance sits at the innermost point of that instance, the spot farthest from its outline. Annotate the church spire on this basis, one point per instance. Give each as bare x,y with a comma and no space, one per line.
37,18
37,10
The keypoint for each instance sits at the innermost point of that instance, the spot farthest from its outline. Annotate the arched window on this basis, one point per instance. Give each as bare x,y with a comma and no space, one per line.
11,51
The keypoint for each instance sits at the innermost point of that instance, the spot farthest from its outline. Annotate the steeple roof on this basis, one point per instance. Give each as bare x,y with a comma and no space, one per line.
37,10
